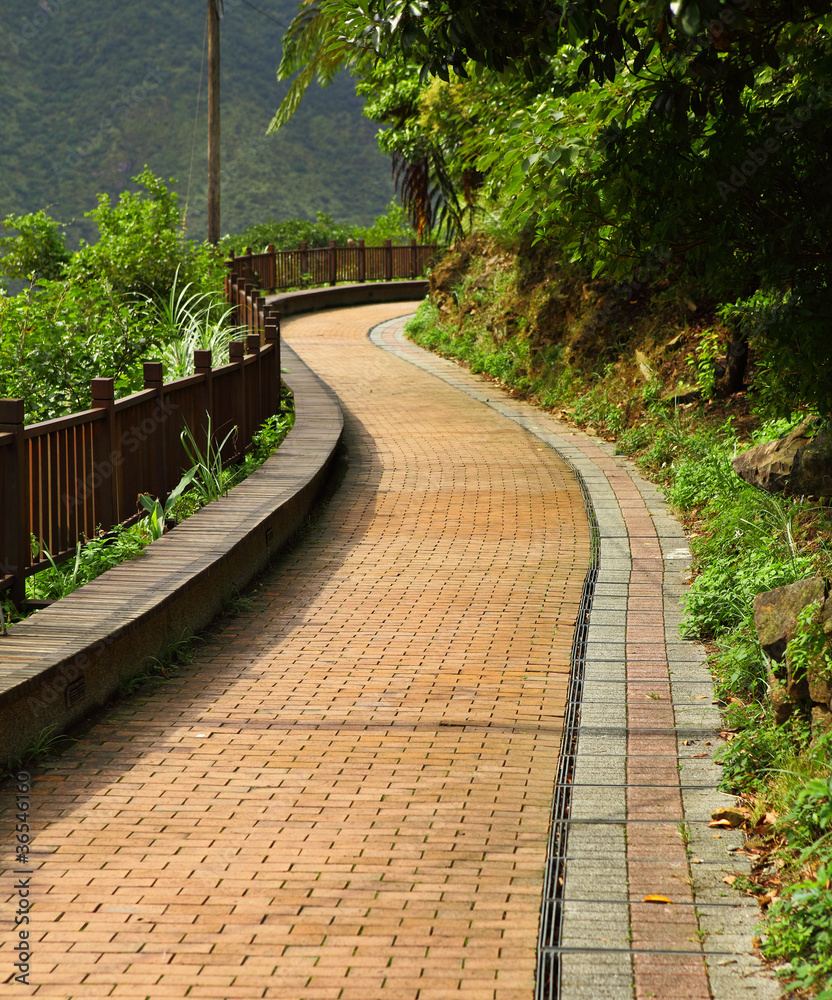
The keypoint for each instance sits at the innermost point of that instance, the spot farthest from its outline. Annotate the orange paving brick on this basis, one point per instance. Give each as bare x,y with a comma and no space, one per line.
348,793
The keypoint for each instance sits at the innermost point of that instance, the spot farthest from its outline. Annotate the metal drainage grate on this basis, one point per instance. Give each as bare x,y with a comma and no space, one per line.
547,986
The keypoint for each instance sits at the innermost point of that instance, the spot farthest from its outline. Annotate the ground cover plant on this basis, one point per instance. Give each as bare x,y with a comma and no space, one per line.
646,367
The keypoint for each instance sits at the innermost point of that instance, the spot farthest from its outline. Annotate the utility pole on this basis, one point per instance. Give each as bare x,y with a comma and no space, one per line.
213,121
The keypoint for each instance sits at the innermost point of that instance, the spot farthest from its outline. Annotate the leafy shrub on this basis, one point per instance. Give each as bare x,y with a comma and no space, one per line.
288,234
721,596
740,666
90,560
38,250
758,749
800,931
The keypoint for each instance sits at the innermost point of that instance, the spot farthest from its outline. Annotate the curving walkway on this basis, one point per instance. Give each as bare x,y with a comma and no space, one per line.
348,793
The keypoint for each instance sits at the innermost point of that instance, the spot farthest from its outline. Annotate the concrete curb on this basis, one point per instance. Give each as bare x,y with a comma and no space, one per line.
340,296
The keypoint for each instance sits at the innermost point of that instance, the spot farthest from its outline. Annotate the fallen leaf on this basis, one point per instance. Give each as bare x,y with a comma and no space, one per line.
700,755
717,836
763,901
699,697
696,861
729,879
735,817
771,817
656,899
721,822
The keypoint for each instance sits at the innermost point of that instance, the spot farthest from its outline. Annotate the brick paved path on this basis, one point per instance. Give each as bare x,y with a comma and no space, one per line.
641,789
348,794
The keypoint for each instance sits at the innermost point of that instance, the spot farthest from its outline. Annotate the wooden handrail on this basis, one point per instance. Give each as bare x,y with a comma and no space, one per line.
272,269
67,479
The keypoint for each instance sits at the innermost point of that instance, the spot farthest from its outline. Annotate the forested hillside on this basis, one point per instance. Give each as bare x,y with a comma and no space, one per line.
93,92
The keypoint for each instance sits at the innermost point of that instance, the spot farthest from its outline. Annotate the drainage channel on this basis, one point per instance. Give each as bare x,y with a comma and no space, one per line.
548,978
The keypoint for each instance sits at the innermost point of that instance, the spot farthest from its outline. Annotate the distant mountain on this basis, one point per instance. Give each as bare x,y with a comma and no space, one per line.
93,92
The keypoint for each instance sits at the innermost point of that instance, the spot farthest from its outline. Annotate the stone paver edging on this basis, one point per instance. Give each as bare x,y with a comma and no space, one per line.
644,782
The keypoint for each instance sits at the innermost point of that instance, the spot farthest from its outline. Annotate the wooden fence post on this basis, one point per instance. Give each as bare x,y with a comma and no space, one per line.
304,259
230,274
106,455
256,404
388,260
14,531
272,282
333,262
271,333
204,365
362,261
154,379
260,313
236,356
414,267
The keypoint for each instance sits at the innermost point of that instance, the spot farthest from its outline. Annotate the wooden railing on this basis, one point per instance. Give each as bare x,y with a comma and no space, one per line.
274,269
66,480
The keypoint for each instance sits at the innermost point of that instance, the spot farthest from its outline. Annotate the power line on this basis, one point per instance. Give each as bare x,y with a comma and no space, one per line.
196,121
268,17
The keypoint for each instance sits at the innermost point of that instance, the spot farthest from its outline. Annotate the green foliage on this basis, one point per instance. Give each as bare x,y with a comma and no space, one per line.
208,480
393,225
579,124
37,251
809,649
187,320
703,362
290,233
157,514
140,246
47,742
140,287
55,339
269,437
800,932
91,559
759,750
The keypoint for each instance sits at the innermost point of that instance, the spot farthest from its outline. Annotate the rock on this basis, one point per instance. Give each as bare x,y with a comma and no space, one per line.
797,687
485,280
644,366
780,701
819,681
796,463
683,393
821,720
826,616
776,611
812,470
